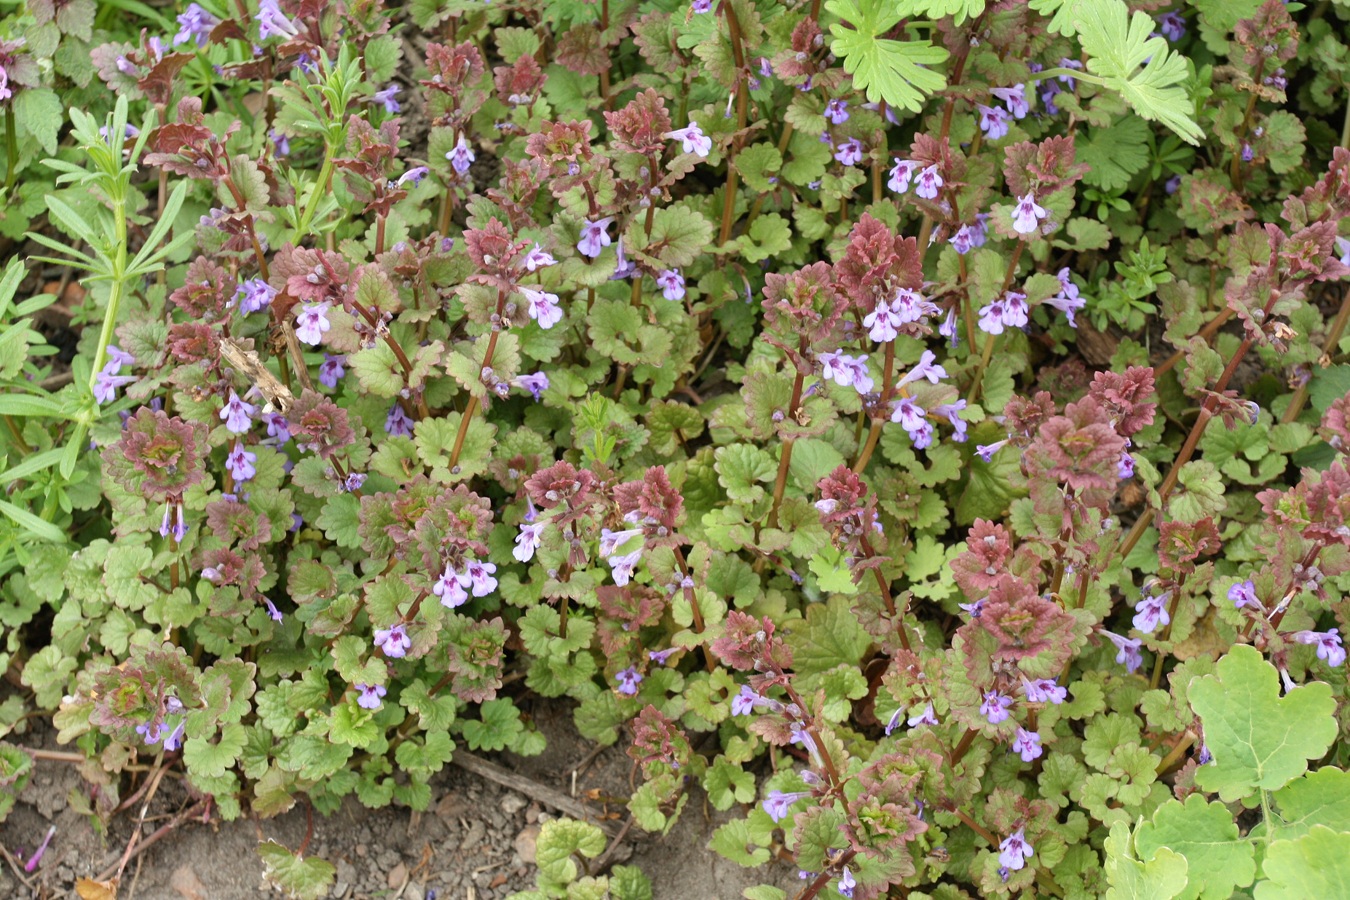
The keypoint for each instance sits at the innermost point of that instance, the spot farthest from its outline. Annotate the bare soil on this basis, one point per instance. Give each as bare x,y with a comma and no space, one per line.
476,842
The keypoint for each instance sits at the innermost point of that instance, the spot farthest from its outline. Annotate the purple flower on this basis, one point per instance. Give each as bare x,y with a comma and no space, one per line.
928,183
1150,612
994,121
926,717
1243,594
1172,26
538,258
528,540
1015,98
1044,690
901,173
237,414
745,702
910,306
536,384
594,237
332,369
280,143
1027,214
611,541
692,140
963,240
995,706
277,428
953,413
778,803
450,587
986,451
1203,757
837,111
1014,850
1027,744
254,295
628,680
415,175
948,328
850,152
462,156
671,283
273,23
108,381
623,566
1128,654
118,356
394,641
1125,467
1328,643
1343,247
1067,300
398,423
312,322
909,414
194,23
991,317
174,739
1015,309
846,884
173,523
846,371
353,482
480,575
543,307
926,369
700,6
240,462
388,97
368,695
1247,154
660,656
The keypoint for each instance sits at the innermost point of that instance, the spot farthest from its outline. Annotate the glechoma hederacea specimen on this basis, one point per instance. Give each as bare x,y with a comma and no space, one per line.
918,427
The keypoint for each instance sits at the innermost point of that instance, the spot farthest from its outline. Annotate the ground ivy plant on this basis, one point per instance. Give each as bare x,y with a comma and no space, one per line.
916,429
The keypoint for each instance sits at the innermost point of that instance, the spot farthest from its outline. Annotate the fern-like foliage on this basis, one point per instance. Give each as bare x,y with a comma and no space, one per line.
888,70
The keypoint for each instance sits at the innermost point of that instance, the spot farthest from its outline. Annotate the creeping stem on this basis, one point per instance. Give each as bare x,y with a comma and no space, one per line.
472,406
742,113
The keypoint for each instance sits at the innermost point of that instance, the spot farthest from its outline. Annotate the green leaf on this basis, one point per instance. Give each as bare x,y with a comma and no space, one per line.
1259,740
1315,865
1113,154
726,783
212,760
1117,45
959,10
828,636
757,164
38,113
679,236
300,877
30,523
741,468
378,370
1160,877
734,841
1217,858
558,840
892,71
498,725
1318,798
768,236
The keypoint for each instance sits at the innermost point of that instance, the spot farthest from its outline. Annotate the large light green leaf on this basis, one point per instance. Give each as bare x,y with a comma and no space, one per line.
1217,858
1259,740
892,71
